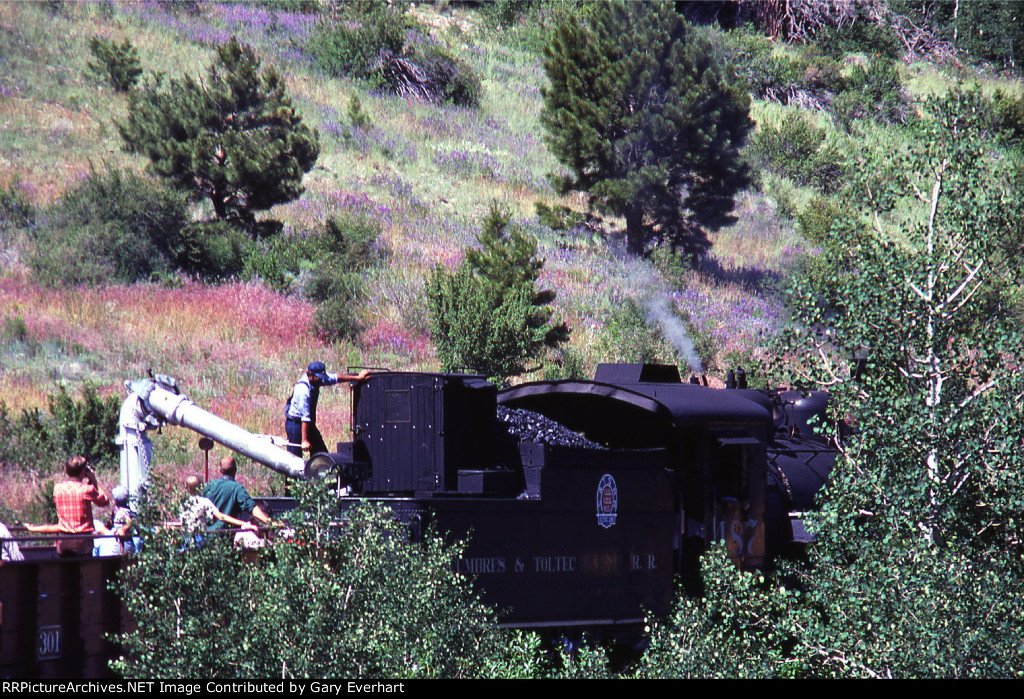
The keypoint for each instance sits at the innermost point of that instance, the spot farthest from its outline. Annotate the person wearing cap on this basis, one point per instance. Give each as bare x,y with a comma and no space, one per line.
121,521
300,410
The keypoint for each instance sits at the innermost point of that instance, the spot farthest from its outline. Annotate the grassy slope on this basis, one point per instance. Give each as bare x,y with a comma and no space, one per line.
426,172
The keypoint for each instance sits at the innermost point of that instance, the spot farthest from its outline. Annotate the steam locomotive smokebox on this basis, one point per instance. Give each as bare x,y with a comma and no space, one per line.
419,430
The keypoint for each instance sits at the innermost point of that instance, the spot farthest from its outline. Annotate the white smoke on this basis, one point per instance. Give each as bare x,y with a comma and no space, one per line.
659,312
658,308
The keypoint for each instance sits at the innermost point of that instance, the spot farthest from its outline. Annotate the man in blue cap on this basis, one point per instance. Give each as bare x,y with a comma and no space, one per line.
300,411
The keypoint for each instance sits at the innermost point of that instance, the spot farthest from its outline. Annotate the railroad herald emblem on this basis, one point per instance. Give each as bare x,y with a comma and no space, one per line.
607,501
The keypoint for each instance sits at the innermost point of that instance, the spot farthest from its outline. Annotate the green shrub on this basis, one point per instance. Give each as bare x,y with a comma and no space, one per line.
628,337
1008,117
505,13
85,426
742,627
353,47
24,438
799,150
353,242
338,317
816,219
279,261
16,211
374,45
211,250
353,598
874,93
566,363
117,63
488,316
116,226
773,77
15,330
808,79
991,30
476,330
441,77
338,258
357,118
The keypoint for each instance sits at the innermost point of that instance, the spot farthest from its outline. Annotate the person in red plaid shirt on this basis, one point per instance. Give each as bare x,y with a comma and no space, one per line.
73,498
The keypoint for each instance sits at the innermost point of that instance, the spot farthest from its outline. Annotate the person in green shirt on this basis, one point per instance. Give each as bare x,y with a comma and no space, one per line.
230,497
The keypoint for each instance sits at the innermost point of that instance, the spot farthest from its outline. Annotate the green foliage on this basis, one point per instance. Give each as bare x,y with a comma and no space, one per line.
211,250
566,363
347,249
740,628
16,211
505,13
558,218
627,336
83,427
328,267
1008,117
116,226
233,139
24,437
918,567
344,596
807,79
992,31
800,151
527,24
43,504
488,316
817,218
15,330
338,317
647,122
117,63
352,45
874,93
371,42
434,74
356,116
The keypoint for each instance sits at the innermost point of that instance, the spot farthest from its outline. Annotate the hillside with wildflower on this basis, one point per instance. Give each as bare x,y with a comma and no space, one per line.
424,173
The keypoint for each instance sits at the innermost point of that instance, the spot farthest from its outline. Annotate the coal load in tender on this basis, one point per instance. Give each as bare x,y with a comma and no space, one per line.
528,426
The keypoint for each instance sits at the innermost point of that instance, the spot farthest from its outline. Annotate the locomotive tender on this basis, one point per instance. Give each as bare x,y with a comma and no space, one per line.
583,502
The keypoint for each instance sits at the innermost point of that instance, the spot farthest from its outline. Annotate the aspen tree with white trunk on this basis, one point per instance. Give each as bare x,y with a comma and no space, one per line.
911,318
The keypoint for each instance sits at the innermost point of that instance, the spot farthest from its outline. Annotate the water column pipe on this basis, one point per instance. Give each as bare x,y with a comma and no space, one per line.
176,409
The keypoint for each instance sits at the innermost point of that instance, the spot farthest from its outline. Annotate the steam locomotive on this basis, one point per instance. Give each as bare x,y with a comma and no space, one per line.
583,501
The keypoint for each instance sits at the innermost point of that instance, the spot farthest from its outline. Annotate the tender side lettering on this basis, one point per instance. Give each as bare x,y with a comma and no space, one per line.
555,564
476,566
602,563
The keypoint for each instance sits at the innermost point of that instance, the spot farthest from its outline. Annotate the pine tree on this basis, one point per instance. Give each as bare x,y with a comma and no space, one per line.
233,139
488,316
117,63
647,121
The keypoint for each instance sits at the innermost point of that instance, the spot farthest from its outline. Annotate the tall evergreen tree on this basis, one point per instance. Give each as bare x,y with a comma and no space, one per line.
488,316
647,121
233,139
